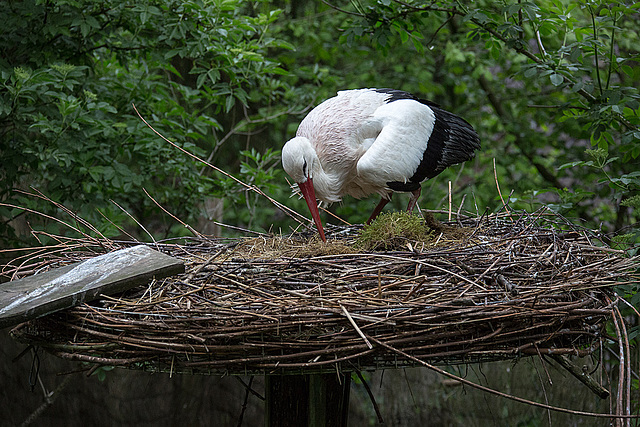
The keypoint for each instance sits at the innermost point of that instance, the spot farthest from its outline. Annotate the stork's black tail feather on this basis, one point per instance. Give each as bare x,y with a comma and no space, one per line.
461,139
452,141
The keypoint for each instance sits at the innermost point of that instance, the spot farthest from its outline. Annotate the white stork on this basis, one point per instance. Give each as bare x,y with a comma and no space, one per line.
369,141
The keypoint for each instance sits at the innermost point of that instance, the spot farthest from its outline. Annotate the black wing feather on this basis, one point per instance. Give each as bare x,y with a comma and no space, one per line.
453,140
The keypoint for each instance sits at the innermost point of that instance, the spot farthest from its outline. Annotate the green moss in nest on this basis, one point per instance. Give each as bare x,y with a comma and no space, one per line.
390,231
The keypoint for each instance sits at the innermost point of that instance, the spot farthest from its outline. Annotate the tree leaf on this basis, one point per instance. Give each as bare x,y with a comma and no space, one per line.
556,79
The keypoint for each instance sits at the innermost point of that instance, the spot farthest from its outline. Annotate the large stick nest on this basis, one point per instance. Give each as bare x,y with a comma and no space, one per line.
503,287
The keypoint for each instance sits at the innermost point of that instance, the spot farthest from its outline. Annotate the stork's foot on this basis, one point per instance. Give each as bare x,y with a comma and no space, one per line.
378,209
415,194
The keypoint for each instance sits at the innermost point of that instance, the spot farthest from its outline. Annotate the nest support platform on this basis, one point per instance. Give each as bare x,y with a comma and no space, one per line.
514,286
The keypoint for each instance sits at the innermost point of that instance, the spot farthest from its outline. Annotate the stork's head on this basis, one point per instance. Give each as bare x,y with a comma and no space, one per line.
299,160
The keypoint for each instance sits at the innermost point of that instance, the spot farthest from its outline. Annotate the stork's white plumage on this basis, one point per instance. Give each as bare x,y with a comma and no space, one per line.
370,141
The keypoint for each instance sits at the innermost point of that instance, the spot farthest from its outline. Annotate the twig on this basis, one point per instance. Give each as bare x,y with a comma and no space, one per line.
621,367
289,212
583,377
48,401
495,175
134,219
450,198
496,392
627,360
544,389
244,403
372,398
187,226
353,323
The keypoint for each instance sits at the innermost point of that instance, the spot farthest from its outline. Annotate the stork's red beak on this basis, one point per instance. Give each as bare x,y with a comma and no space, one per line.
309,195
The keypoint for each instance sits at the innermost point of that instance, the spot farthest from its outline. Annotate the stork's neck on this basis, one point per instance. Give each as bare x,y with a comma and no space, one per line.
326,185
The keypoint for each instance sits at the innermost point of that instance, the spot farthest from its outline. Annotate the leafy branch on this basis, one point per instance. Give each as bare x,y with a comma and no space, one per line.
499,31
600,160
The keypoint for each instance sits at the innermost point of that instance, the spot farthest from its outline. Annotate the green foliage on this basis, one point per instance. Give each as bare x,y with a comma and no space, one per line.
70,72
263,171
101,372
621,185
631,202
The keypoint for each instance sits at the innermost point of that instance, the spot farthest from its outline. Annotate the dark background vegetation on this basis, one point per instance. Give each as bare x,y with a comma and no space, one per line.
550,86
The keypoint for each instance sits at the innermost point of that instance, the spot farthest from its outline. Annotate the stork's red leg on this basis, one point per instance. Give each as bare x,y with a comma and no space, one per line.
414,199
378,209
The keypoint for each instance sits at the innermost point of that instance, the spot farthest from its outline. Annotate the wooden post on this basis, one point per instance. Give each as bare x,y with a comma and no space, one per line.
316,400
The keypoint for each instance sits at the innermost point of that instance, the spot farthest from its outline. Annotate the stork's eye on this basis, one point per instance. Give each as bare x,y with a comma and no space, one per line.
304,168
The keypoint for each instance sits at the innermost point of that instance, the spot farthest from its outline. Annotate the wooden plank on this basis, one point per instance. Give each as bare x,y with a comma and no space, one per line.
64,287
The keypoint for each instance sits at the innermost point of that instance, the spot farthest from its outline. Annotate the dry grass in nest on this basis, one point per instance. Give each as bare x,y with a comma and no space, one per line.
492,288
291,247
